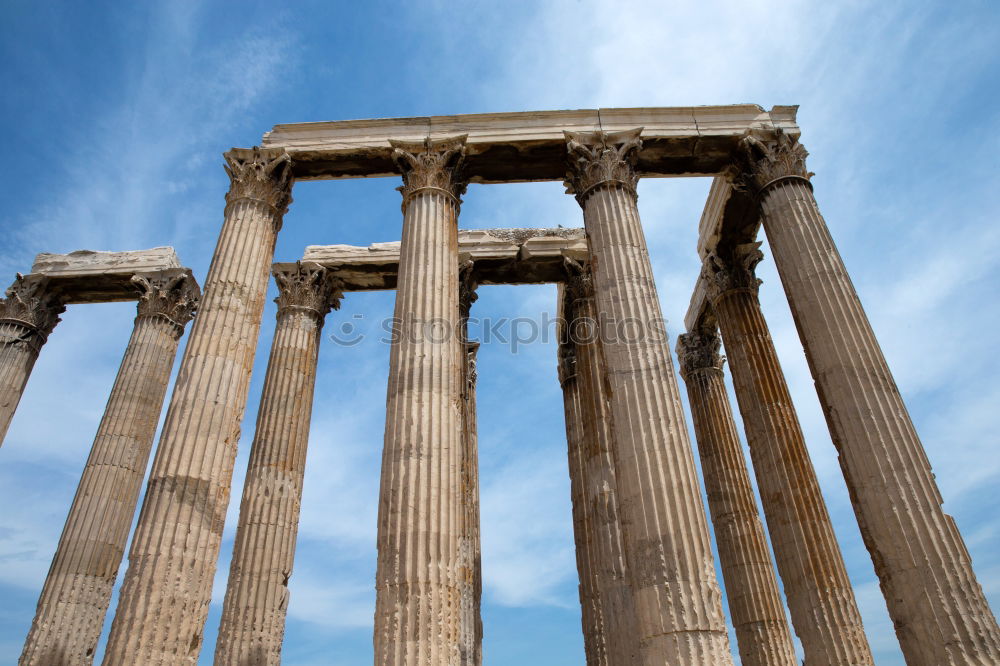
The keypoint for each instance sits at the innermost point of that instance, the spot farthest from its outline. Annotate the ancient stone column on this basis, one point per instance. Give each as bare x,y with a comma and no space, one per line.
937,606
598,481
253,613
77,591
470,546
819,593
27,316
418,585
677,598
167,588
591,613
755,606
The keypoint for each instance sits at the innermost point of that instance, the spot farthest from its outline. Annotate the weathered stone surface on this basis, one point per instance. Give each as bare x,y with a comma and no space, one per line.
502,256
167,588
77,590
939,612
86,276
529,146
677,598
604,576
755,606
418,583
820,597
253,613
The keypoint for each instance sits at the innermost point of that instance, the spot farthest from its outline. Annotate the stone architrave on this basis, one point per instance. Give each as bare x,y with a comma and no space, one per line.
253,613
596,471
418,583
164,598
937,606
77,590
755,606
470,546
27,316
591,613
677,597
819,593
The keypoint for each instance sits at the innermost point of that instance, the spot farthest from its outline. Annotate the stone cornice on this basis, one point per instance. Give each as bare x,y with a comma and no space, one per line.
170,295
260,174
737,274
596,159
308,287
764,161
31,303
431,165
699,351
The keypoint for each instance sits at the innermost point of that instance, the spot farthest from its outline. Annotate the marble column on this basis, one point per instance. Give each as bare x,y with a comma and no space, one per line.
755,606
677,597
819,593
77,590
27,316
591,613
470,546
418,585
937,606
253,613
598,478
164,598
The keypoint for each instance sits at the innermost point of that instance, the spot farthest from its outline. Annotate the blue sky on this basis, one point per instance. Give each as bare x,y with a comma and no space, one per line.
115,119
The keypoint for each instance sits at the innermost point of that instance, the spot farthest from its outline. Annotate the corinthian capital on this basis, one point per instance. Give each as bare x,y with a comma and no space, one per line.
601,158
308,287
467,286
260,174
172,295
431,165
29,302
737,273
761,162
699,351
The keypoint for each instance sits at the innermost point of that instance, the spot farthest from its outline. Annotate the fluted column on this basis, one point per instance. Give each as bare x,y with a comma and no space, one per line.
936,604
598,478
677,598
165,595
591,613
27,316
470,545
819,593
418,589
253,613
755,605
77,590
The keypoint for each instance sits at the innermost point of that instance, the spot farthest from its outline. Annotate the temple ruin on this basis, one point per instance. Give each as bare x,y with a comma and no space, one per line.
648,588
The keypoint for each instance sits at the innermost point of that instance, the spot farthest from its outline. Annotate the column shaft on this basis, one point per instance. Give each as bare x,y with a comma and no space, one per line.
591,612
677,598
819,593
27,316
599,479
755,605
77,590
418,596
253,613
167,588
938,608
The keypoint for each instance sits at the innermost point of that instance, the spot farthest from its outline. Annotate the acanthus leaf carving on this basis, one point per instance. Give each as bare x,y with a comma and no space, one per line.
601,158
736,273
431,164
762,161
699,351
172,296
260,174
30,302
308,287
467,286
